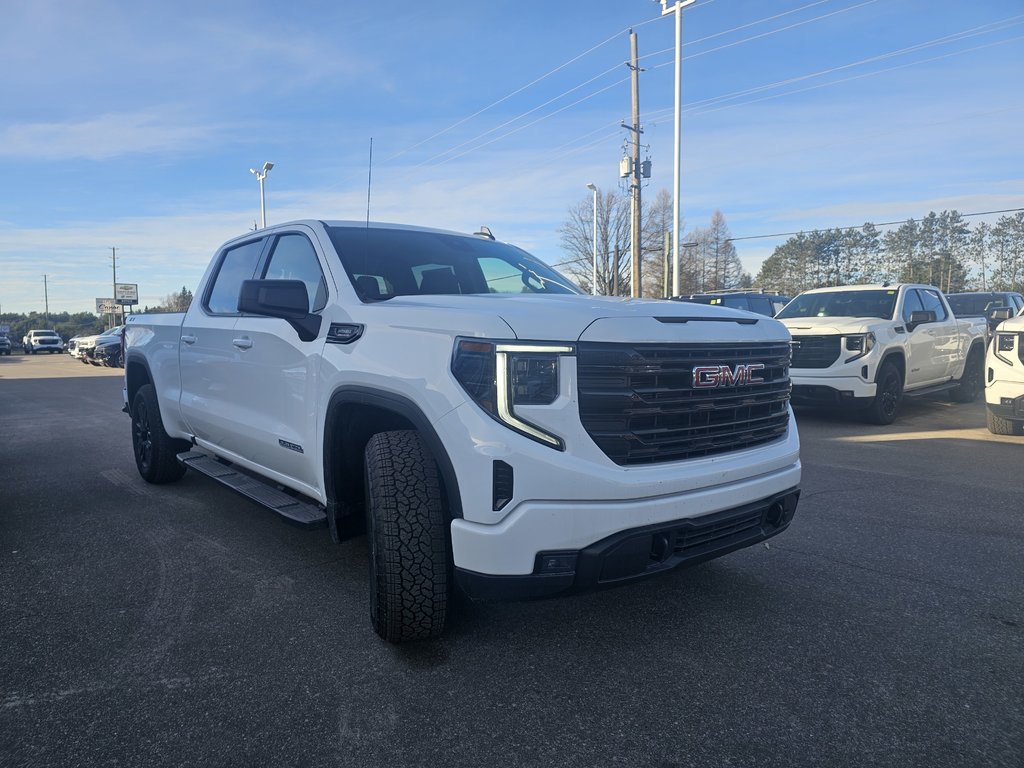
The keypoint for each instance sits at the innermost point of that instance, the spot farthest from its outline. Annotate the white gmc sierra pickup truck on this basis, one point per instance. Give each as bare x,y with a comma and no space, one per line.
869,345
1004,379
495,429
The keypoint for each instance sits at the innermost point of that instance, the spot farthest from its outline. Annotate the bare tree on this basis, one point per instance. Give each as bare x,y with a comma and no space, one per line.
613,243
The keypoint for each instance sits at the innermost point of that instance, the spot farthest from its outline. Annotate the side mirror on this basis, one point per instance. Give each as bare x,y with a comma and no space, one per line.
920,317
285,299
1000,314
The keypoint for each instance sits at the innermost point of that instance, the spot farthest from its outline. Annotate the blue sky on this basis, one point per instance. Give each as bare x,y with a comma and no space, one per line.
134,125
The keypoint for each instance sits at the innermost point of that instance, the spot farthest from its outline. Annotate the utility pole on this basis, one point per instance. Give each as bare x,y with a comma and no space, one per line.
46,301
636,279
666,258
113,261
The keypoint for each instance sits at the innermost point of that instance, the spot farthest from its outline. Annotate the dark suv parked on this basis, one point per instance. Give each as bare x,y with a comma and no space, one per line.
753,301
985,304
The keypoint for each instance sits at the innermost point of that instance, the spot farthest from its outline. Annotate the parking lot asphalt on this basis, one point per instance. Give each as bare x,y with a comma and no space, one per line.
182,626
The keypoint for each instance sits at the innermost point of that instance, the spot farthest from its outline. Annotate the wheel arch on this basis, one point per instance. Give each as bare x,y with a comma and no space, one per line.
136,374
354,414
896,358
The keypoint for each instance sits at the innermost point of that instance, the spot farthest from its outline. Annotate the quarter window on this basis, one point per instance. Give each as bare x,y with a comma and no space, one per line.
911,303
932,303
237,264
295,259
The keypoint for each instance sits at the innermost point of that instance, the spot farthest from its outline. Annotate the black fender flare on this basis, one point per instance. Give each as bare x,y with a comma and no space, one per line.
401,406
894,353
132,359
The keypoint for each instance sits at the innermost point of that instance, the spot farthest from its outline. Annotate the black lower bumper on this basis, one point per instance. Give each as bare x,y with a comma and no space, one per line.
1009,408
639,553
823,395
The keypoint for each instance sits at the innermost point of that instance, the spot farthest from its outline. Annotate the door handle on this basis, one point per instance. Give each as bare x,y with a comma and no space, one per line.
189,339
243,343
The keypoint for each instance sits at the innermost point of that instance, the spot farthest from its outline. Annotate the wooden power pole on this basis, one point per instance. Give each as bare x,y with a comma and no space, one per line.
636,279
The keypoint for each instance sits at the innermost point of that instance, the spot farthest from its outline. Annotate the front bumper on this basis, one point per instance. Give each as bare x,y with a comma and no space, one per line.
638,553
831,390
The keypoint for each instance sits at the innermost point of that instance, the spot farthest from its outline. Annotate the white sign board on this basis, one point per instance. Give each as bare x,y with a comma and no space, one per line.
106,306
126,293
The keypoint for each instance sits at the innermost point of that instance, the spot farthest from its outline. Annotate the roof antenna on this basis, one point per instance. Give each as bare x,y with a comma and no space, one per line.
369,179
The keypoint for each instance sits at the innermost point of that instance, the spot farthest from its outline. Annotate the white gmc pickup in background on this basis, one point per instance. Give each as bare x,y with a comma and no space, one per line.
867,346
495,429
1004,378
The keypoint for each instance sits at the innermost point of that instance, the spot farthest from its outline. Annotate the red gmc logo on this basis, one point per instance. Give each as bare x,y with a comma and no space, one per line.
711,376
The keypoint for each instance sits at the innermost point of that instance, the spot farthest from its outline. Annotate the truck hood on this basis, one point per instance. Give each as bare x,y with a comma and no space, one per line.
593,318
834,326
1012,325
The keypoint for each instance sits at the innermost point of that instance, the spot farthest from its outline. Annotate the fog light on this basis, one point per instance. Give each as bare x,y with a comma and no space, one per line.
555,562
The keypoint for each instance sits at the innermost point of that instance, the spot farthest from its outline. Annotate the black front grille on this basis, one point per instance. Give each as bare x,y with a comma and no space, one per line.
815,351
639,405
716,530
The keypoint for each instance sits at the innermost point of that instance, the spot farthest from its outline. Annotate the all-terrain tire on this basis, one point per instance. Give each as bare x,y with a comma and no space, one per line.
888,395
155,451
1000,426
406,526
972,382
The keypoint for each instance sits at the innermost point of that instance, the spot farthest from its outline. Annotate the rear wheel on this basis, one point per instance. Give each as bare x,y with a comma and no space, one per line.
408,538
155,451
888,395
973,380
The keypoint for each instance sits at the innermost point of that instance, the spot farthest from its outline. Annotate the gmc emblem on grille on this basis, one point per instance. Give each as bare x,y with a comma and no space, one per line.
711,376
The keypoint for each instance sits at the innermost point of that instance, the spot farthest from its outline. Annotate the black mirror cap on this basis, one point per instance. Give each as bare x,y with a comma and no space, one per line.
285,299
920,317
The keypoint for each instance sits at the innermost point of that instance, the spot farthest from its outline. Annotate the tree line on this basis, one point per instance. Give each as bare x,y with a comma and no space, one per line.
71,324
708,260
941,249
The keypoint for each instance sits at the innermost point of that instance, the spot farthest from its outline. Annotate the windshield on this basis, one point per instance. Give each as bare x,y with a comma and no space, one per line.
384,263
113,331
880,303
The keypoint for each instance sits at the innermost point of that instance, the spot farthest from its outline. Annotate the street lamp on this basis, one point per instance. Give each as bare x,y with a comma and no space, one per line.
676,7
263,201
593,282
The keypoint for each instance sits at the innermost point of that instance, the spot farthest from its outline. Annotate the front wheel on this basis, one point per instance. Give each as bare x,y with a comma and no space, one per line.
156,452
888,395
1000,426
408,539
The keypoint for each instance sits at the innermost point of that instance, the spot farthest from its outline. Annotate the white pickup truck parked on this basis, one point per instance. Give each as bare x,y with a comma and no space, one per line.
1004,380
494,428
869,345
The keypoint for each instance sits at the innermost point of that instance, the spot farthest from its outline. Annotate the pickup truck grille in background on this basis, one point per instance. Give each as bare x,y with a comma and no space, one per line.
815,351
639,405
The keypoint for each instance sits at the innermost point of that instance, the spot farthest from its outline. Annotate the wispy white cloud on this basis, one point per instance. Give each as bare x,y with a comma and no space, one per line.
102,137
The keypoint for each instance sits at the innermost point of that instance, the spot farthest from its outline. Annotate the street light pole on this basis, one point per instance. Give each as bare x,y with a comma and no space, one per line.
677,9
260,176
593,282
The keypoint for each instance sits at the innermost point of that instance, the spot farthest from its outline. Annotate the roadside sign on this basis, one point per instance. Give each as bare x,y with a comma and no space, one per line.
126,293
106,306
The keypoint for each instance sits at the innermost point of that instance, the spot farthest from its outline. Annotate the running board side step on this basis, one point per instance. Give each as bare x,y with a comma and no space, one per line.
945,387
293,510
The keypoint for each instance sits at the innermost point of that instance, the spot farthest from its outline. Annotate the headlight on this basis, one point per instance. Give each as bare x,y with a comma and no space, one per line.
860,344
1004,343
498,376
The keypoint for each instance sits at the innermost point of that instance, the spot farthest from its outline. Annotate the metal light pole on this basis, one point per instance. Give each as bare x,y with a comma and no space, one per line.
260,176
593,282
676,8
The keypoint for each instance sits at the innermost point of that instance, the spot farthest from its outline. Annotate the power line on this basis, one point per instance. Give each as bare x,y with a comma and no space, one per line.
596,77
859,226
